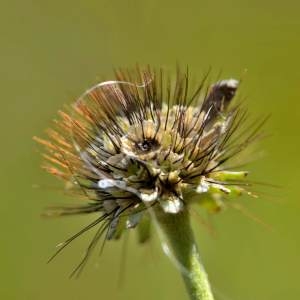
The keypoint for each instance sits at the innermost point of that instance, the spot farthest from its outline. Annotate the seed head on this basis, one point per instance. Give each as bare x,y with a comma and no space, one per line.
140,141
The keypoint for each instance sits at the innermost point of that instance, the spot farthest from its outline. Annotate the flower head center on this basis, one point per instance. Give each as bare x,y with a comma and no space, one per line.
145,145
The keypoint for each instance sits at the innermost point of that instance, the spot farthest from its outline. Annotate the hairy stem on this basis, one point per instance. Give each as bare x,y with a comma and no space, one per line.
183,249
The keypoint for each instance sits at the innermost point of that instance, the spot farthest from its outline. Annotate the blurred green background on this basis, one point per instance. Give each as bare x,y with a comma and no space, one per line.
51,51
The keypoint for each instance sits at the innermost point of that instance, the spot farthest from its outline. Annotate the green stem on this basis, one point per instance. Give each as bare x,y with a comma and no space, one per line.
180,237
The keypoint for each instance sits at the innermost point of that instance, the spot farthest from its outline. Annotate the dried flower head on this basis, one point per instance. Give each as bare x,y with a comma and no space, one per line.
140,142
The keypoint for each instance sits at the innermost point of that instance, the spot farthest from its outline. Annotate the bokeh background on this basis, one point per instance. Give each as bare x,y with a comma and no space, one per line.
51,51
